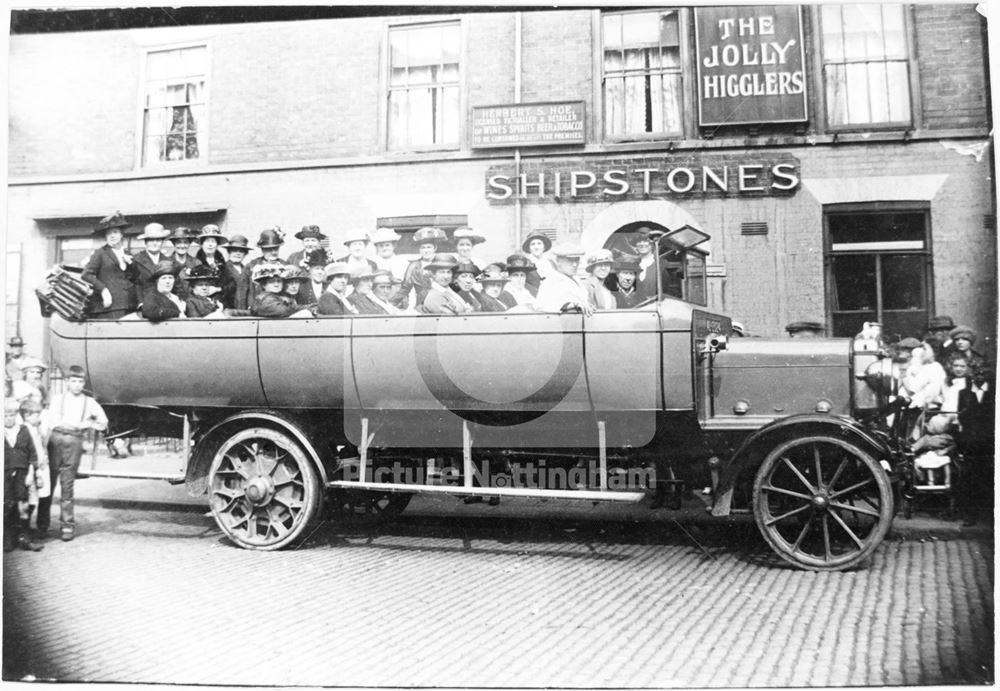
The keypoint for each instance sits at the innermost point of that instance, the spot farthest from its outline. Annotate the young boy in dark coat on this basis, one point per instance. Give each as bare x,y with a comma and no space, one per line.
18,456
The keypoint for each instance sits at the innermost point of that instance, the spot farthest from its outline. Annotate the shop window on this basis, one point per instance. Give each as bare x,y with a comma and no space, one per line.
865,65
879,269
424,86
175,105
642,73
406,226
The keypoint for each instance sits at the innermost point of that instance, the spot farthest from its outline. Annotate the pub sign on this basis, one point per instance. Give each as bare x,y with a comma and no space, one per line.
750,65
528,124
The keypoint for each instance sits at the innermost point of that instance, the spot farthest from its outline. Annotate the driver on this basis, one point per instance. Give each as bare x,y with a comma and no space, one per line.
561,292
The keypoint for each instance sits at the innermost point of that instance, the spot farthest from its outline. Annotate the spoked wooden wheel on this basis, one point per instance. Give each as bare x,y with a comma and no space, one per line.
822,503
263,490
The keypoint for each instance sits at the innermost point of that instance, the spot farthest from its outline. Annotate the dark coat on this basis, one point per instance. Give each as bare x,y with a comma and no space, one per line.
22,454
273,305
976,418
416,279
470,297
507,299
331,306
365,304
185,263
307,296
237,289
198,307
145,266
157,307
102,271
627,300
491,304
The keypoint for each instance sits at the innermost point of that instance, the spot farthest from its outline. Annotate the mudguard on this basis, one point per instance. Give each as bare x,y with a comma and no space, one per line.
752,450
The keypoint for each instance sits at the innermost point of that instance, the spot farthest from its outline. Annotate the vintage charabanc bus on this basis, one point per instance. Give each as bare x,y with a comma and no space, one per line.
282,418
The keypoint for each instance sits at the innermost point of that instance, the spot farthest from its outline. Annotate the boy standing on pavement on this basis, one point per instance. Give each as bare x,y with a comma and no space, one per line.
18,458
71,413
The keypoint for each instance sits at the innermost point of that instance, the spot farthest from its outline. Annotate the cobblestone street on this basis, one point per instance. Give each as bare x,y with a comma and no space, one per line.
154,593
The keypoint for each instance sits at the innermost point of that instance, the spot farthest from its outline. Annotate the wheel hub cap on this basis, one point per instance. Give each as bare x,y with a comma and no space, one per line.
259,490
820,502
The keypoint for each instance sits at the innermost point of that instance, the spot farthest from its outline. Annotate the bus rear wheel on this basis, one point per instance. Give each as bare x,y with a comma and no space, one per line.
822,503
263,489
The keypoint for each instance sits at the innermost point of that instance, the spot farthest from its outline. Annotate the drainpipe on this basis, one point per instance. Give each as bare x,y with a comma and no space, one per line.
517,152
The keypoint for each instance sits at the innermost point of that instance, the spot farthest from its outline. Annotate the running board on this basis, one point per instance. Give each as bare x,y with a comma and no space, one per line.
133,475
585,495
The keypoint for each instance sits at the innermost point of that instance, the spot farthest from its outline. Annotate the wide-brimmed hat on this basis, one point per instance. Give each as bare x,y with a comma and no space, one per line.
535,235
643,234
296,273
466,268
32,363
211,231
962,332
265,271
626,262
517,262
355,235
182,233
599,257
429,234
494,273
796,327
361,274
115,220
384,277
467,234
310,232
442,261
337,269
568,250
166,267
384,235
16,342
941,321
203,272
271,237
154,231
316,257
238,242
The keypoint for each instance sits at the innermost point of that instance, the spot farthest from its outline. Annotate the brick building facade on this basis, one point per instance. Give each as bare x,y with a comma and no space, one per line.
885,208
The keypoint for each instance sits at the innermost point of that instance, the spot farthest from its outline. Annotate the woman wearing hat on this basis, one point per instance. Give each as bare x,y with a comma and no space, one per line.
110,270
208,254
295,278
962,339
627,270
30,385
312,239
383,284
148,259
416,280
599,266
561,292
384,241
464,284
518,269
361,297
159,302
465,239
270,301
314,261
493,280
441,299
333,302
269,242
357,244
200,303
237,288
535,246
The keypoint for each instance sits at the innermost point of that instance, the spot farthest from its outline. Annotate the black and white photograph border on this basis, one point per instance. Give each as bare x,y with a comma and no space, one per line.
500,346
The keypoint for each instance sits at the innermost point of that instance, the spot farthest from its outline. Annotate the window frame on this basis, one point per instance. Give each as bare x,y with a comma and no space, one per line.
385,86
822,118
875,209
688,81
203,144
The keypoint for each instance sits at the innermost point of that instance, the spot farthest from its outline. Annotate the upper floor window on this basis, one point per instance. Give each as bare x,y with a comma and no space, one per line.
865,64
174,105
424,86
642,73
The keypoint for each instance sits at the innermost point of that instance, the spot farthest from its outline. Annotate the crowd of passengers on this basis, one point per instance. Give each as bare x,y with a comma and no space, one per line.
220,280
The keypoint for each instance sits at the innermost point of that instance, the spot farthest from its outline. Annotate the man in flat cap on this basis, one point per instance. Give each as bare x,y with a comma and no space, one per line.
111,271
561,292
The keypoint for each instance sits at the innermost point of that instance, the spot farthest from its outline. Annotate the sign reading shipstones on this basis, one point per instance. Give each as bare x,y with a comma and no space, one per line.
679,176
750,65
528,124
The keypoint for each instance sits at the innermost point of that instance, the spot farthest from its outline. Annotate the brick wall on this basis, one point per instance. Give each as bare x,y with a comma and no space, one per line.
557,57
951,56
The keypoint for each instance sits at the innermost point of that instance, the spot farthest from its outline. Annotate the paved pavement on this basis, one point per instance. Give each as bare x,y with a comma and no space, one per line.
525,594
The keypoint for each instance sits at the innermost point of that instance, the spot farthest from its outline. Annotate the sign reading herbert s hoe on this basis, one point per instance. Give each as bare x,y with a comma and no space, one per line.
528,124
750,65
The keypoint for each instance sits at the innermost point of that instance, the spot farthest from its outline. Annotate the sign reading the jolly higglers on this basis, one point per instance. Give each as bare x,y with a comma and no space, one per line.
750,65
528,124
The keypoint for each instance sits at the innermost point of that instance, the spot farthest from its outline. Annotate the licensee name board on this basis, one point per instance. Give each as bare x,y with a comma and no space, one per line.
528,124
750,65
